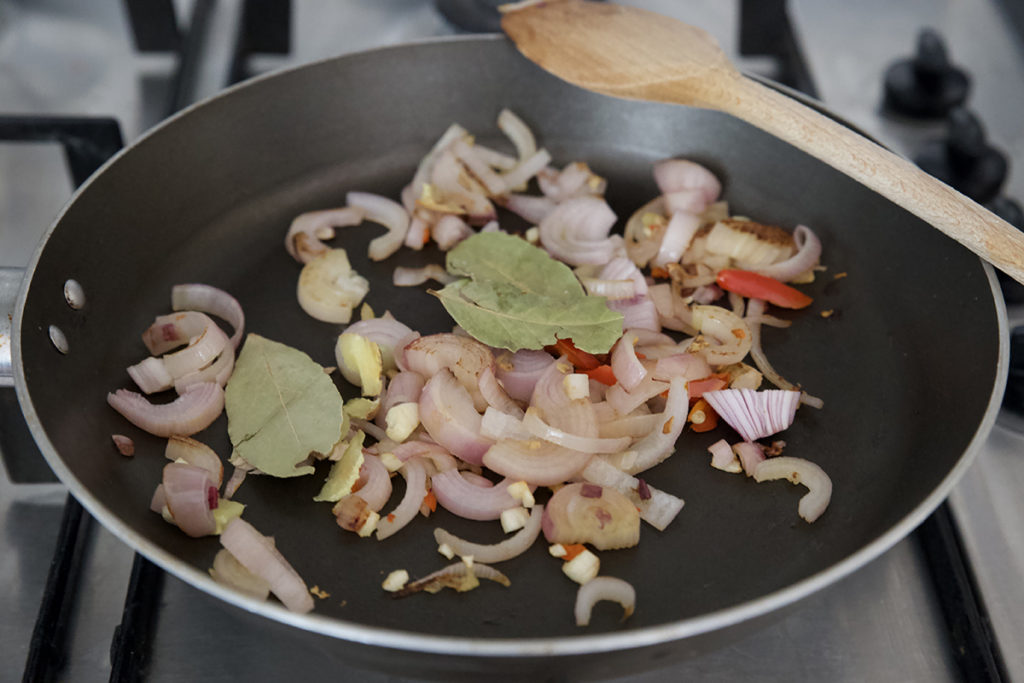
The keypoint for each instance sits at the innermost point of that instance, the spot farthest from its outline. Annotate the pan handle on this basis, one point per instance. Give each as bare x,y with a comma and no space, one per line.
10,283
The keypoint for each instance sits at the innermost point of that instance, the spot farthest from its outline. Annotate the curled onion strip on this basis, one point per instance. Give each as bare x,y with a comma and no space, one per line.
659,444
676,239
415,490
518,133
497,552
755,309
303,240
603,588
673,175
730,332
193,411
808,252
528,168
497,424
218,371
576,232
800,471
518,372
195,453
207,299
386,212
528,207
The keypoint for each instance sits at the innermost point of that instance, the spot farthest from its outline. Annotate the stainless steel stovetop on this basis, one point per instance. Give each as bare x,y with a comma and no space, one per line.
882,623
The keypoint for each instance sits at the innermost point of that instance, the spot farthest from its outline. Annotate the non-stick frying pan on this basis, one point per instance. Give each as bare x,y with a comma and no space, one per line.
910,365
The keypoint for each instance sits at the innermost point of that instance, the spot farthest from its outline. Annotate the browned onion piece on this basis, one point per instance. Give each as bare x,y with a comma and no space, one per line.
458,575
607,522
464,356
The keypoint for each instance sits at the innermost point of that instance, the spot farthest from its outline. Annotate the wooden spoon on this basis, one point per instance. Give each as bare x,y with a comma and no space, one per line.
636,54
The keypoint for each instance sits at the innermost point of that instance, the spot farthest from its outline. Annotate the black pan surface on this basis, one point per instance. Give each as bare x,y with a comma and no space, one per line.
910,364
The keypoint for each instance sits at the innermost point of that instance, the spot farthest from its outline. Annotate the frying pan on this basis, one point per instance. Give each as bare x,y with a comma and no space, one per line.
910,365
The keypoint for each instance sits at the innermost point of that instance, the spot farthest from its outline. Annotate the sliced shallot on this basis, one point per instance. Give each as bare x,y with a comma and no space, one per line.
462,497
591,513
192,412
755,414
257,553
386,212
303,240
800,471
415,489
448,415
187,495
211,300
603,588
498,552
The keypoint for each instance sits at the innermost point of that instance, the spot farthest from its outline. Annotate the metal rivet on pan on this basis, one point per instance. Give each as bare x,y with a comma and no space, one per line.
60,342
74,294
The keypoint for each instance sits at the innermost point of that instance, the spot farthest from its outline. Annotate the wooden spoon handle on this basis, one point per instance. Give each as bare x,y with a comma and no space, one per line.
892,176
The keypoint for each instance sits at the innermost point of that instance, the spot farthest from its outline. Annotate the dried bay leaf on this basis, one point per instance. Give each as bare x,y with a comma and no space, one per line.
281,406
518,297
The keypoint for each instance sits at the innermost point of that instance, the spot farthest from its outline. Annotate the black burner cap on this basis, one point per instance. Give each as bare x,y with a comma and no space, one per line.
926,85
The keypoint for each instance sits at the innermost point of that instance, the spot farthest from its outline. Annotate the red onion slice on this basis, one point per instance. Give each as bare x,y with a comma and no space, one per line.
415,475
456,494
187,496
800,471
151,375
537,462
386,212
202,350
576,232
230,572
466,153
173,330
750,455
495,394
497,552
673,175
218,371
387,333
464,356
404,387
603,588
498,425
448,415
303,240
257,553
518,372
195,453
755,414
211,300
192,412
628,370
587,444
608,521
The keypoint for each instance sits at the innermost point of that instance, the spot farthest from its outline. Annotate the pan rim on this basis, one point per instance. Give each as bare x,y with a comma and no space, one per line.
426,643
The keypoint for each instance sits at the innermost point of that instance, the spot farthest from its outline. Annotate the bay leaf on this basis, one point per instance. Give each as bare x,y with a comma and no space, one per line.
518,297
281,406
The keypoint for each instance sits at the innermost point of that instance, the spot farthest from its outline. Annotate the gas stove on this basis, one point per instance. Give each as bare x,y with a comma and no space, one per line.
945,604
